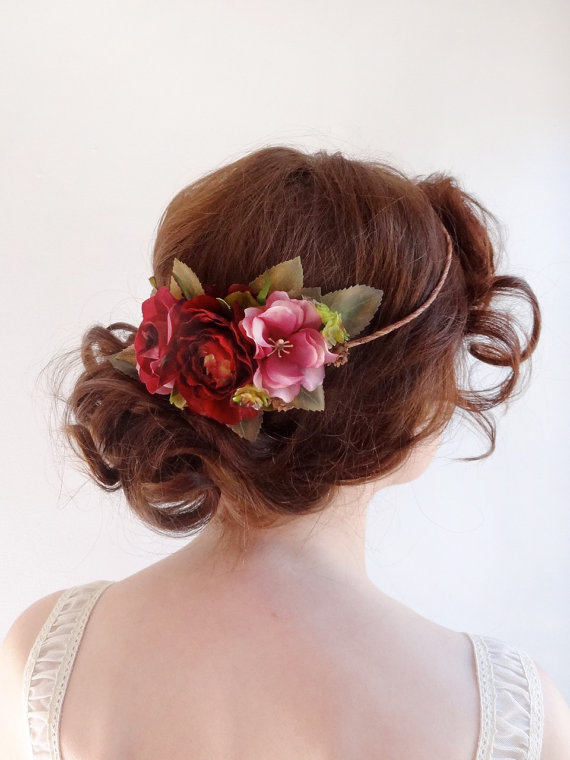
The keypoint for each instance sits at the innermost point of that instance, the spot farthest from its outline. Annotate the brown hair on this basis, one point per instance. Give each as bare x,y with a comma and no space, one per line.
351,222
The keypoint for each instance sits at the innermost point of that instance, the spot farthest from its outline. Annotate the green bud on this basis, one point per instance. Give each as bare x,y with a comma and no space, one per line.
333,330
251,395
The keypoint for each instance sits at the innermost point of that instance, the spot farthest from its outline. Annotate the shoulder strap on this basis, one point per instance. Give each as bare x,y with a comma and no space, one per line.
512,714
49,666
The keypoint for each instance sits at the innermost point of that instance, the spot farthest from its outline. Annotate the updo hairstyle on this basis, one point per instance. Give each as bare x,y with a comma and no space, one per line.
350,222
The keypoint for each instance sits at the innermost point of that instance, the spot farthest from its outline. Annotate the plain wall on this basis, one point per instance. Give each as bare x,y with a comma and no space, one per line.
109,108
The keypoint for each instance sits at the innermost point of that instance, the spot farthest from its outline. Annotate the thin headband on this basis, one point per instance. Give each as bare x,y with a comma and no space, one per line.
420,310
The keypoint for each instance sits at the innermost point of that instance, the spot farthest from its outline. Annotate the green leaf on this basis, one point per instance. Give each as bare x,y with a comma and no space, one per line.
187,280
243,297
175,289
125,361
357,305
152,281
262,295
177,399
128,354
248,428
314,401
287,276
311,292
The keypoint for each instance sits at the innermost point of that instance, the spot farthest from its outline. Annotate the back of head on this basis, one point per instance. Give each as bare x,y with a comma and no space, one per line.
350,222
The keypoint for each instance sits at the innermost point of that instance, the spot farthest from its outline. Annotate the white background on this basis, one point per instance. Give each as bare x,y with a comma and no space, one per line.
109,108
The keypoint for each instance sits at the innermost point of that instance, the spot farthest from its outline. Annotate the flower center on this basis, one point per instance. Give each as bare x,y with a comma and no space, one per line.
220,370
281,346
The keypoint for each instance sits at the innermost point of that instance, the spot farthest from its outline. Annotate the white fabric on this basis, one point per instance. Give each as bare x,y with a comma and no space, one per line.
49,666
512,714
511,709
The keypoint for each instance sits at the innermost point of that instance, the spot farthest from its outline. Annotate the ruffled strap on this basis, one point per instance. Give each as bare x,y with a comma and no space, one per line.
49,665
512,713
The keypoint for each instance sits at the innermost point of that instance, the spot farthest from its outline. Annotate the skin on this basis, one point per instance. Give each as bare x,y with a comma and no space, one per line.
286,650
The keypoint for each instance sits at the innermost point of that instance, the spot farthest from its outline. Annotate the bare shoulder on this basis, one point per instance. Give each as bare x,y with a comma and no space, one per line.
14,652
25,629
556,741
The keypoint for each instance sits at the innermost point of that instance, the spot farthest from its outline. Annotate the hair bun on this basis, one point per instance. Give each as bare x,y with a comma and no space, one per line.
494,327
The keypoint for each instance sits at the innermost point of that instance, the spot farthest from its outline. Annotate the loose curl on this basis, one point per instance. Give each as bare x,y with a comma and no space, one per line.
351,222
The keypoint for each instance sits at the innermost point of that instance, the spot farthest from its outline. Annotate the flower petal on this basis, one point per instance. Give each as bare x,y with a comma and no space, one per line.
311,317
286,394
313,377
283,318
310,348
279,371
277,295
306,351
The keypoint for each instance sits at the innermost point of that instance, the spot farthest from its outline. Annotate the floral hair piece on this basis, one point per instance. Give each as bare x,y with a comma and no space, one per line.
258,347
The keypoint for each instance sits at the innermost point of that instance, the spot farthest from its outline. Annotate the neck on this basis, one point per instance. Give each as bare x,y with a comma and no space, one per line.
331,542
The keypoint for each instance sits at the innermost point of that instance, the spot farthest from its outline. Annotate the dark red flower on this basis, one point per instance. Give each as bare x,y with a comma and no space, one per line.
210,357
239,286
151,342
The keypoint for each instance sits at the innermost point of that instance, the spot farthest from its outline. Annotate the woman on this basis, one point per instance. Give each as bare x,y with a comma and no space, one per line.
306,342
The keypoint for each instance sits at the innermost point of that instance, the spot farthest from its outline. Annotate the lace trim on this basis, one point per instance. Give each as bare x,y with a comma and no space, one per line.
511,702
536,707
49,665
487,699
37,705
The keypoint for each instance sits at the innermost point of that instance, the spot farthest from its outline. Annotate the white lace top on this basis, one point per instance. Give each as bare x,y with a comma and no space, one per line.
511,716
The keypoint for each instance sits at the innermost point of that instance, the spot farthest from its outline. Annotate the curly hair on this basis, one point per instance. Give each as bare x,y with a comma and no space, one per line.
351,222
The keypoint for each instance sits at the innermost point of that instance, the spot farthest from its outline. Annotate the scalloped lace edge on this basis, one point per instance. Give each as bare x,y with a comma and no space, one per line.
49,666
511,702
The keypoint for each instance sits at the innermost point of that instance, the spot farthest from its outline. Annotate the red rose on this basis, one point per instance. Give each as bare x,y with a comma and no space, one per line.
239,286
210,357
151,342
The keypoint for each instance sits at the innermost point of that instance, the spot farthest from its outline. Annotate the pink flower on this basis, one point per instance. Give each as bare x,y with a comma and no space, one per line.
290,350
